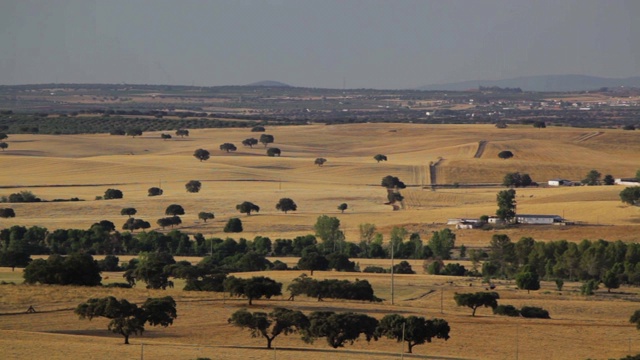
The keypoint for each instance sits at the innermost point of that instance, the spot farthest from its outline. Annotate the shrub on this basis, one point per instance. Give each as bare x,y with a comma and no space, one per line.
507,310
534,312
374,270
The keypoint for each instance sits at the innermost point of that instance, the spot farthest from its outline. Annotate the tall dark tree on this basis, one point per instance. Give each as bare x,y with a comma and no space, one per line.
592,178
380,157
193,186
279,321
412,329
201,154
174,209
506,200
342,207
476,300
273,152
247,207
250,142
127,318
228,147
527,279
266,139
392,182
286,204
153,269
539,124
128,211
441,243
340,328
3,136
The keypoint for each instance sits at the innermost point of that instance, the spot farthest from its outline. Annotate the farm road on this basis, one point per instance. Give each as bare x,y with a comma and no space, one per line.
482,144
587,136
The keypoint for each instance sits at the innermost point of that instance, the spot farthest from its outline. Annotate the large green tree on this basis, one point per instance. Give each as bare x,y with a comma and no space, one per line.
193,186
631,195
152,269
228,147
250,142
247,207
174,209
127,318
413,329
266,139
527,279
506,200
592,178
286,205
279,321
75,269
340,328
476,300
442,242
313,261
380,157
254,288
327,228
201,154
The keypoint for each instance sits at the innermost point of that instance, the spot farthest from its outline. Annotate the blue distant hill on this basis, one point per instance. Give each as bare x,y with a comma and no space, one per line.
542,83
269,83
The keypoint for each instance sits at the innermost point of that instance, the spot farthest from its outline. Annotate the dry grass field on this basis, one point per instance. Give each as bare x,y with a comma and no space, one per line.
85,166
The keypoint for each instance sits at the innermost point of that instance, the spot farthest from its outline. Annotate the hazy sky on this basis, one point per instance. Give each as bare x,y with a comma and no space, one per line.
367,44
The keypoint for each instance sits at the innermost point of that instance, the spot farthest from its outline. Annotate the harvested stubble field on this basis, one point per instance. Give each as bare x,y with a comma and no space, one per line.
85,166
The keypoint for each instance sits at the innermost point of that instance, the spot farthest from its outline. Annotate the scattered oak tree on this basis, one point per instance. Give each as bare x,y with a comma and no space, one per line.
476,300
313,261
320,161
269,326
250,142
257,129
193,186
7,213
266,139
228,147
247,207
608,180
133,224
254,288
154,191
126,318
286,204
3,145
340,328
201,154
342,207
128,211
380,157
182,132
234,225
112,194
273,152
412,329
631,195
165,136
592,178
527,279
133,132
205,216
506,154
174,209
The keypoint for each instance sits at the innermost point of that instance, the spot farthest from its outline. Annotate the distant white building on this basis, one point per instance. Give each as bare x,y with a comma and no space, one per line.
627,181
462,223
559,182
539,219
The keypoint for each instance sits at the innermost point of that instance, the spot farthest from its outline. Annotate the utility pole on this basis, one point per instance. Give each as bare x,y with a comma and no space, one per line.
402,342
392,271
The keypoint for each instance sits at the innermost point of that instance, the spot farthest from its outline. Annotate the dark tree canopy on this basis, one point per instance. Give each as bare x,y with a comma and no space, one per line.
392,182
631,195
266,139
517,180
380,157
155,191
205,216
527,279
128,211
592,178
247,207
539,124
133,132
7,213
415,330
342,207
174,209
273,152
269,326
135,224
313,261
608,180
234,225
152,269
257,129
320,161
286,204
228,147
201,154
250,142
165,136
193,186
506,154
75,269
127,318
112,194
476,300
506,200
254,288
182,132
340,328
3,145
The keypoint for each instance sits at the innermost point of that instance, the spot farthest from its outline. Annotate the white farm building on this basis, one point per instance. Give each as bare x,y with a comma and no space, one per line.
539,219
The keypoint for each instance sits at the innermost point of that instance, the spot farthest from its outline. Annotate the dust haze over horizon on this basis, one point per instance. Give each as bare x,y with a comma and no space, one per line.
325,44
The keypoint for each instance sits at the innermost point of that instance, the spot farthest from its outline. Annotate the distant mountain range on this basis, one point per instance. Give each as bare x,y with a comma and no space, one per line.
269,83
542,83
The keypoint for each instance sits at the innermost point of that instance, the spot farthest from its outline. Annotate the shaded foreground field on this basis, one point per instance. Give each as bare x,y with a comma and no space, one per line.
580,328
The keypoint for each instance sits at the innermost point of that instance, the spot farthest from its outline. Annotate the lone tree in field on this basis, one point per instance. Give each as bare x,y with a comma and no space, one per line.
133,132
506,200
205,216
380,157
608,180
476,300
320,161
128,211
250,142
193,186
134,224
257,129
506,154
269,326
182,132
266,139
342,207
273,152
228,147
3,145
631,195
635,319
340,328
253,289
313,261
247,207
234,225
414,330
112,194
527,279
165,136
155,191
201,154
128,319
286,204
174,209
7,213
3,136
592,178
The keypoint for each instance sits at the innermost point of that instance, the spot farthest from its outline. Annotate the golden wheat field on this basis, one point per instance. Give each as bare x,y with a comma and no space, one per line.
84,166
